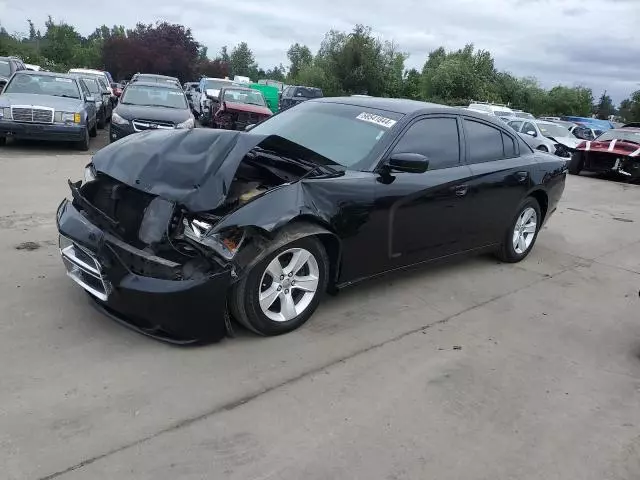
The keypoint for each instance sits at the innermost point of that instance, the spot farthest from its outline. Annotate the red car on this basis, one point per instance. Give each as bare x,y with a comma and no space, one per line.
117,89
238,107
616,150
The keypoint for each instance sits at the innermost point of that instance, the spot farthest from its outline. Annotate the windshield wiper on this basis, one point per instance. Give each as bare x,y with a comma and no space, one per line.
306,163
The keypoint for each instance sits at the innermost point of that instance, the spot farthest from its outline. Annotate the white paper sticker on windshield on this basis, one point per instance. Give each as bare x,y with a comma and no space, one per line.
377,119
64,80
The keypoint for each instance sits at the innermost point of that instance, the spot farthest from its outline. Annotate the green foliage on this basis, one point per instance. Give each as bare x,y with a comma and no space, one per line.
346,63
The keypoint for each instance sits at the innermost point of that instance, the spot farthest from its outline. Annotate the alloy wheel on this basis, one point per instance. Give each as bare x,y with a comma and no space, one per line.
525,230
289,284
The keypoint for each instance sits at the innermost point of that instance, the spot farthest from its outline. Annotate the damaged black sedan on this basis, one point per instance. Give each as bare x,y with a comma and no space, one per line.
175,233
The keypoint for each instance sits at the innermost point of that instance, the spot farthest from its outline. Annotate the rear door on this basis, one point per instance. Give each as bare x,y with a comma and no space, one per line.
502,167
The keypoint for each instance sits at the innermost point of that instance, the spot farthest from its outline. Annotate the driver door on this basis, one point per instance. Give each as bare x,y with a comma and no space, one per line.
426,213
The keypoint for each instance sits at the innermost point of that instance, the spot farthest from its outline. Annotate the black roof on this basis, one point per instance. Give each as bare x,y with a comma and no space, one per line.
155,75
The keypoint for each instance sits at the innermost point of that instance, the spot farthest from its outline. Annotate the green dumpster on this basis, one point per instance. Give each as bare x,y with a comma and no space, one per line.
271,95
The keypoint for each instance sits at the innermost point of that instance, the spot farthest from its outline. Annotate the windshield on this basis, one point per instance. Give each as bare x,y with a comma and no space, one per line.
216,84
5,68
308,92
554,131
621,134
251,97
43,85
524,115
91,84
345,134
148,96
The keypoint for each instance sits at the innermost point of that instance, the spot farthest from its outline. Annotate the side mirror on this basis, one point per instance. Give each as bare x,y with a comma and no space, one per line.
531,133
408,162
91,99
249,127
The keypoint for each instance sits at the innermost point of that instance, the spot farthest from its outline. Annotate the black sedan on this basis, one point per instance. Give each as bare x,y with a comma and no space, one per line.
150,106
175,232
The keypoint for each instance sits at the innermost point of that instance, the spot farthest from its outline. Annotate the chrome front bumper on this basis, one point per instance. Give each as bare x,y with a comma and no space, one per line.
83,268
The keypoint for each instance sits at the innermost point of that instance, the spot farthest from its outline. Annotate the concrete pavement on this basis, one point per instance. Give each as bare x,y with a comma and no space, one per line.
545,384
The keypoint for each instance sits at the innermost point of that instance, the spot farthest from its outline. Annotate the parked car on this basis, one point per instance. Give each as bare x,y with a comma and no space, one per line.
101,96
496,110
117,89
239,107
585,132
189,89
594,123
533,136
35,68
521,114
47,106
102,75
563,123
616,151
153,78
295,94
171,231
150,106
561,141
8,66
205,96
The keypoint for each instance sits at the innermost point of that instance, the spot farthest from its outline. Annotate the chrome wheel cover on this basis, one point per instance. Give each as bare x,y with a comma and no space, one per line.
288,285
525,230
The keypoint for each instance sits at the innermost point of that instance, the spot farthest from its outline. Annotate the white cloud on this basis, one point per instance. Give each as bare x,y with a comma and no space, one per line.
568,41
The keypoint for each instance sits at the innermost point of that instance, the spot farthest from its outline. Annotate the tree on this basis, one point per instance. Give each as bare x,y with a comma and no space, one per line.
299,56
32,30
224,55
412,84
241,60
605,107
630,108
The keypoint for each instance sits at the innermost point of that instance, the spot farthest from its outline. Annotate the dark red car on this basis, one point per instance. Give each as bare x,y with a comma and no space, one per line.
117,89
239,107
616,150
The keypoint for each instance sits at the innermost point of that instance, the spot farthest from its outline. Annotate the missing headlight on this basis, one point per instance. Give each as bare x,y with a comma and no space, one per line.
226,243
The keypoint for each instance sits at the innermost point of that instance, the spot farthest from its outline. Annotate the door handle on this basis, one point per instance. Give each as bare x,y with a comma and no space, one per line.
460,190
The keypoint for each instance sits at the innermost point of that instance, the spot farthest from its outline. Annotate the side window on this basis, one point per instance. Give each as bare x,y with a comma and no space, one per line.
435,138
484,142
528,127
509,146
516,124
83,87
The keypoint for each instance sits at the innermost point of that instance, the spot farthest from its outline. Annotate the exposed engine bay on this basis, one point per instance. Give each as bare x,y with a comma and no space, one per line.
166,230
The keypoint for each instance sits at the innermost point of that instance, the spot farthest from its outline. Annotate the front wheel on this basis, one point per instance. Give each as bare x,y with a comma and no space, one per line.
281,292
102,119
575,164
83,144
522,232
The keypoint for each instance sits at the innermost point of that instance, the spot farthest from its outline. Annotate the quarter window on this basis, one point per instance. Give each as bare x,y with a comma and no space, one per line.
515,125
528,127
485,143
435,138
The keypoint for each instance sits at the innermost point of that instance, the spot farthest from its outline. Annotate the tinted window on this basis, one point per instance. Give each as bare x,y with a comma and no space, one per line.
435,138
5,68
484,142
509,146
148,96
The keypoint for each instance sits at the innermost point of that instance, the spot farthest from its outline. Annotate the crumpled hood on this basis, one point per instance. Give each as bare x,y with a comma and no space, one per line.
194,168
567,141
615,147
245,107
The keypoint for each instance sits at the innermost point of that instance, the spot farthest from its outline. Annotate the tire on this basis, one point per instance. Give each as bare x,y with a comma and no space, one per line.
575,164
83,144
508,252
245,294
542,148
3,141
102,120
93,132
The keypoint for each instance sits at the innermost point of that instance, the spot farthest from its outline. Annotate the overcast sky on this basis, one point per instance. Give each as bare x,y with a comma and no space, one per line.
591,42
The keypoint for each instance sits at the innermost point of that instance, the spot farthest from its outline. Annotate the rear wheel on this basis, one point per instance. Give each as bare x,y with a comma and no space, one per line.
281,292
522,232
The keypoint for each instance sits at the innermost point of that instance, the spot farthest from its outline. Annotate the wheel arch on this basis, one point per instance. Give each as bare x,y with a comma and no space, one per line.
543,200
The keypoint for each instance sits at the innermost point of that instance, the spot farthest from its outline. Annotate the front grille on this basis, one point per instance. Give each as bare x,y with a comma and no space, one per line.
247,117
83,269
120,202
600,161
32,114
141,125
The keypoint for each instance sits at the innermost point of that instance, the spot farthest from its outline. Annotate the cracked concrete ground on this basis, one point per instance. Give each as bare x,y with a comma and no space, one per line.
472,369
